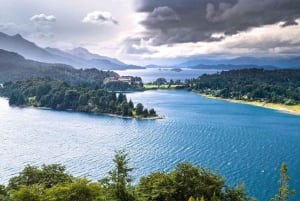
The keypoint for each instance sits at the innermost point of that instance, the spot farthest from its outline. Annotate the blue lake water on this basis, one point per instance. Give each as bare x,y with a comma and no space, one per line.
151,74
241,142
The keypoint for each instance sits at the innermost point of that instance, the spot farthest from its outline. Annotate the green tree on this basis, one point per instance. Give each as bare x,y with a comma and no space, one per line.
160,81
157,186
79,190
130,104
121,98
125,109
27,193
29,176
42,90
214,198
71,99
152,112
235,193
145,112
119,180
17,98
139,109
83,99
54,174
3,193
284,189
48,176
196,181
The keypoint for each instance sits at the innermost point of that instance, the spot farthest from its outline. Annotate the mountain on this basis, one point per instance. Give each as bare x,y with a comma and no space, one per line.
81,57
156,66
24,47
85,54
195,62
14,67
78,57
232,67
273,61
264,62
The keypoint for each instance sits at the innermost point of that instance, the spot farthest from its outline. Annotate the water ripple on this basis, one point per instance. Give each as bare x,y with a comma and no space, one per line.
241,142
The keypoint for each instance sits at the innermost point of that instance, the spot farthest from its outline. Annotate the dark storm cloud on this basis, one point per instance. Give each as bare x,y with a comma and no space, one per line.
178,21
289,23
162,14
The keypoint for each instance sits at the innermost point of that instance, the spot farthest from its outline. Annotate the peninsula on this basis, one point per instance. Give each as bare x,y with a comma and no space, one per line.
59,95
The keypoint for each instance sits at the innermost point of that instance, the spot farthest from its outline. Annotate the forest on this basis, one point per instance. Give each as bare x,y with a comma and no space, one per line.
14,67
184,183
271,86
60,95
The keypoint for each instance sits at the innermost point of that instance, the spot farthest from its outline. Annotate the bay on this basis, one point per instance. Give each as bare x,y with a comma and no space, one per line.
151,74
241,142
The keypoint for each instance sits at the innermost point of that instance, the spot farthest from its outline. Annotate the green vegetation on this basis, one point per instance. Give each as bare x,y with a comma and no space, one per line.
130,84
284,191
14,67
185,183
162,83
270,86
60,95
118,183
163,86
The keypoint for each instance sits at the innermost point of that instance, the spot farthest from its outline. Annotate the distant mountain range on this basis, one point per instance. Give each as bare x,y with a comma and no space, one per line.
14,67
78,57
82,58
244,62
231,67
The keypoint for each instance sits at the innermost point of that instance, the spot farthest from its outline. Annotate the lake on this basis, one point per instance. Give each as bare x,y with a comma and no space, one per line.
151,74
241,142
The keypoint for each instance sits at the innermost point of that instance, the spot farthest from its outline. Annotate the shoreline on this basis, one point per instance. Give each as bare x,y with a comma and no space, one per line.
127,117
289,109
105,114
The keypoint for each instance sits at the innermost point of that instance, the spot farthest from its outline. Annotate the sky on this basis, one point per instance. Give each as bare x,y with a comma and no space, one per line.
159,31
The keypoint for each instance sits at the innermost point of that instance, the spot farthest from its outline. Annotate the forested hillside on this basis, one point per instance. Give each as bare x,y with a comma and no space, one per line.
14,67
275,86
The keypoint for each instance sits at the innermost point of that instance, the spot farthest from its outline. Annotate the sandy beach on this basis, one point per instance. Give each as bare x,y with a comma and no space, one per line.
291,109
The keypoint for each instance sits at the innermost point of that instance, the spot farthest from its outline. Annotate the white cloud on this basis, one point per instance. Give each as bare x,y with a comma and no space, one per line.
100,18
42,18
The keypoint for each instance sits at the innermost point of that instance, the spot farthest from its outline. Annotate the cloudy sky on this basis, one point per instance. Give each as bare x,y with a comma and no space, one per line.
159,31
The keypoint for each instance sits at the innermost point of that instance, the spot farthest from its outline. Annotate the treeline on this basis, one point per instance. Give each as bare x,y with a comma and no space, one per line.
135,84
185,183
60,95
274,86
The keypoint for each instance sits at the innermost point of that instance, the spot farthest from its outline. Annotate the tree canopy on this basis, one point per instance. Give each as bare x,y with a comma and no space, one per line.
184,183
60,95
275,86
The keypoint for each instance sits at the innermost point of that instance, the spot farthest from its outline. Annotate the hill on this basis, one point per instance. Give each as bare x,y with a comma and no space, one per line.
243,62
270,86
78,57
15,67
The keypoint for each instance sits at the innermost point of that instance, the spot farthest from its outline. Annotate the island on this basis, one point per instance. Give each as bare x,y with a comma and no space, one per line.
176,70
60,95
